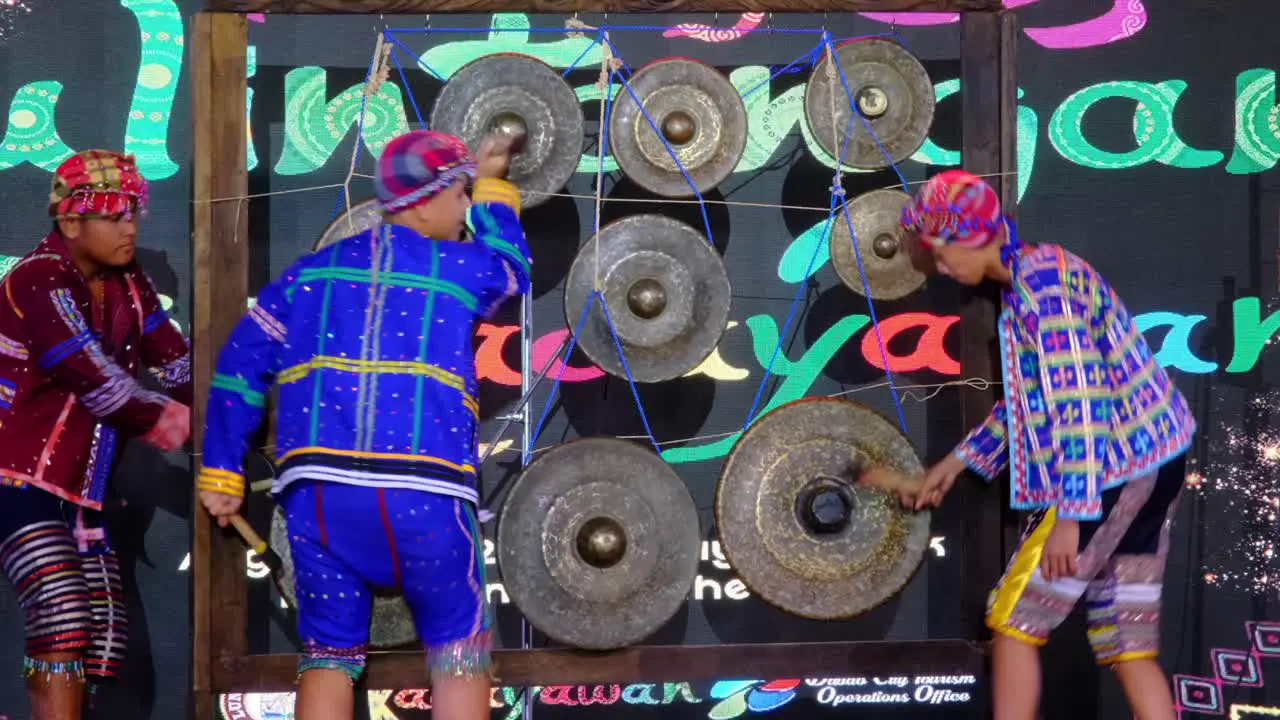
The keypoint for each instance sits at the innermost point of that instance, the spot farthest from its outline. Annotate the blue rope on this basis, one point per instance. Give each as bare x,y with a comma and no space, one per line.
791,314
875,322
853,104
422,124
583,54
564,365
607,28
808,58
422,63
702,204
617,345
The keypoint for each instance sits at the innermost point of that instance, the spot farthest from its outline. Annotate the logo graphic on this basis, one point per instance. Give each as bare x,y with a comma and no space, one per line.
257,706
741,696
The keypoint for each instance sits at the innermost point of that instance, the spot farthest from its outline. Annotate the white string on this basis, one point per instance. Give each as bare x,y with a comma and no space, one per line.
606,57
975,382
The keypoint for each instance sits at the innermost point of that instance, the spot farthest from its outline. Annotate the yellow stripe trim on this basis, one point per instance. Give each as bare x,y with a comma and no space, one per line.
497,191
1126,657
406,367
465,467
1018,635
216,474
1024,565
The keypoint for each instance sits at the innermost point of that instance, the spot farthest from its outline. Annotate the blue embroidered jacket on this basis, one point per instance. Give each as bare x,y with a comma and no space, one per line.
1087,407
370,343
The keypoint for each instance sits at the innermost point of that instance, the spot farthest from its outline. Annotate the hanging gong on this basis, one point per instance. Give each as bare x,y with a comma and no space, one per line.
795,526
598,543
667,293
696,110
521,97
882,246
392,624
361,217
892,92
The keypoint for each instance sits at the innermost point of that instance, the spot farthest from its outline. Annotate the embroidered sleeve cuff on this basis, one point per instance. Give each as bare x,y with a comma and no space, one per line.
1089,510
987,466
494,190
220,481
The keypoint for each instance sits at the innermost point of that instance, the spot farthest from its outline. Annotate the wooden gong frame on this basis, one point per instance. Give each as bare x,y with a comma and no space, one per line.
221,662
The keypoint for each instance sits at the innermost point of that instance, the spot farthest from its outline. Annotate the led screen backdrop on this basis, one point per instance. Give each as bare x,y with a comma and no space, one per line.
1141,146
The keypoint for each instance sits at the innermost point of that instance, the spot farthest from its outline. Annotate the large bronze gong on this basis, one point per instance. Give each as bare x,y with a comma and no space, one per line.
524,98
796,526
892,92
598,543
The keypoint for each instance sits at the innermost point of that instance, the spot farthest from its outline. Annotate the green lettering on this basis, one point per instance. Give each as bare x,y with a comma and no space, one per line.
801,252
1152,128
1251,333
1028,137
147,132
32,133
931,153
505,36
800,375
1257,145
590,162
252,60
640,695
769,119
313,128
683,690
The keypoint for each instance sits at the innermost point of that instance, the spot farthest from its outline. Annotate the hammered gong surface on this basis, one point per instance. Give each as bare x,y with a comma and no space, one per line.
486,89
705,95
823,577
696,285
904,89
362,216
877,226
561,594
392,624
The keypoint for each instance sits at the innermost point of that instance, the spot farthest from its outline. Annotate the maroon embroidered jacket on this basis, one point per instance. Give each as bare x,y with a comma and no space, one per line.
68,369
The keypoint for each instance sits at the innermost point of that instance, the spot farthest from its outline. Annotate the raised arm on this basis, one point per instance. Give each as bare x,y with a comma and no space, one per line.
495,216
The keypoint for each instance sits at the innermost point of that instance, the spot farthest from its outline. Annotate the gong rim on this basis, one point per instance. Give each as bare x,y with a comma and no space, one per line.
736,512
674,544
362,217
636,147
709,298
548,161
904,127
873,214
392,623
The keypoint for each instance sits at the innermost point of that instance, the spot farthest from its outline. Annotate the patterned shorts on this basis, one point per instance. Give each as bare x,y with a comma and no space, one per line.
56,558
348,541
1120,570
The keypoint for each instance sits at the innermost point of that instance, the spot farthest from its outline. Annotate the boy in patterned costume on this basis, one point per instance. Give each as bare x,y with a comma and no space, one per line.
1094,434
77,319
371,343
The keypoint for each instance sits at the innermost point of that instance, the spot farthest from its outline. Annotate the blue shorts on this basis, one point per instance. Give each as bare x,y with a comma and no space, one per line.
347,541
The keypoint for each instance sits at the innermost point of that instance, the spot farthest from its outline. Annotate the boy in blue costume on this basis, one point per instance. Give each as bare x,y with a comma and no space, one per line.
370,343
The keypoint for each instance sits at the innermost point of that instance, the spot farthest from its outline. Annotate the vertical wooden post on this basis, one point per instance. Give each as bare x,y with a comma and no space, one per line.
220,291
988,89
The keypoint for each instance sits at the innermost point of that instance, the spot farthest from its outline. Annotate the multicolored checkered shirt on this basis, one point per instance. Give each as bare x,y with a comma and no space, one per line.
1086,404
370,343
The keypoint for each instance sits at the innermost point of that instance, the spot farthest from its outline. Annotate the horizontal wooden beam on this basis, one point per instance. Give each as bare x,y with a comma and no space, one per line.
669,663
422,7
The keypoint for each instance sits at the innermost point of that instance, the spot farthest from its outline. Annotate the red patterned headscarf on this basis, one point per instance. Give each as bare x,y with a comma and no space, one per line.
98,184
955,208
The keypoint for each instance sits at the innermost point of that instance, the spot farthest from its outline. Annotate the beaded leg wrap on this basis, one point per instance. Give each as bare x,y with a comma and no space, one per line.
41,562
110,631
464,659
349,661
70,671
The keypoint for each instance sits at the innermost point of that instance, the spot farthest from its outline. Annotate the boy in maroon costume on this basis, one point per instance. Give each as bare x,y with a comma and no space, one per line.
77,318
